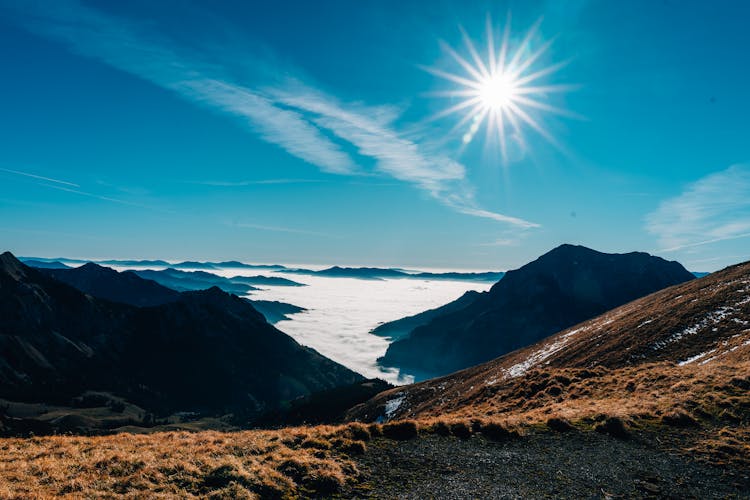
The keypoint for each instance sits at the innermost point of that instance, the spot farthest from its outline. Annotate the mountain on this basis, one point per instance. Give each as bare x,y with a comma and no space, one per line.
678,355
378,273
193,265
275,311
264,281
401,328
135,263
105,283
242,265
456,276
208,351
129,287
52,264
561,288
183,281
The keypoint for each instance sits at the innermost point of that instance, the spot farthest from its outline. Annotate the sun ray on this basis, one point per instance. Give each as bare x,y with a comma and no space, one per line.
532,123
474,54
532,103
491,46
522,47
542,72
451,93
457,107
544,89
501,135
503,52
525,63
454,78
463,62
496,93
475,113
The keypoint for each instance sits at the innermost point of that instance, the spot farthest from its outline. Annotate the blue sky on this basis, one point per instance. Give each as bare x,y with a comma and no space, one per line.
305,132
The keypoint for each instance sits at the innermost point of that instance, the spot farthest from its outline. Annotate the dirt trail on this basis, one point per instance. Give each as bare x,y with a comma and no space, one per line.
545,465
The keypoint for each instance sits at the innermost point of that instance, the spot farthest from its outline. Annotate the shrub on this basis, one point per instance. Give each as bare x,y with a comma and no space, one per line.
496,431
440,428
679,419
613,426
461,430
559,424
358,432
353,447
375,430
323,483
554,390
401,430
316,443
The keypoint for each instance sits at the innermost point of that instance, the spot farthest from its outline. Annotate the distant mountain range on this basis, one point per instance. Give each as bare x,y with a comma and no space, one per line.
204,351
378,273
561,288
200,280
157,263
677,352
46,264
150,288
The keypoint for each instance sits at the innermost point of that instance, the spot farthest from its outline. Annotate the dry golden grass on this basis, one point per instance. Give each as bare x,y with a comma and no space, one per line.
249,464
706,407
317,461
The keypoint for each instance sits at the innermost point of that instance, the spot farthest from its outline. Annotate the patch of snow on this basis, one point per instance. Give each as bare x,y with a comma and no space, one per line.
696,357
645,323
392,405
709,320
542,354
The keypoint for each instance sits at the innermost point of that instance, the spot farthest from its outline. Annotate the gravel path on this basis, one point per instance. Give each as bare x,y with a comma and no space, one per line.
545,465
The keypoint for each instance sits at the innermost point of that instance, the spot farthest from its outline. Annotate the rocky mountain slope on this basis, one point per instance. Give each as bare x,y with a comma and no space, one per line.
561,288
683,349
206,351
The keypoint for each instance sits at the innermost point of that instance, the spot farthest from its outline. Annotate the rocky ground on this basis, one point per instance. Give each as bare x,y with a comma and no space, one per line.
540,465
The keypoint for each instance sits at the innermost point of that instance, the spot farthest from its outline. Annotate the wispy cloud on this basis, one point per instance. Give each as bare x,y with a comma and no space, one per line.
307,123
38,177
713,209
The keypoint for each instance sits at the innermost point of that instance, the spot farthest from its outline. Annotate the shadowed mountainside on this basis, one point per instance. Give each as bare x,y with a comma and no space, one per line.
401,328
207,351
561,288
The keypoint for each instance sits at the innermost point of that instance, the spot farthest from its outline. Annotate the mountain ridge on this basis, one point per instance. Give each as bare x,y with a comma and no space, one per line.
560,288
207,351
683,330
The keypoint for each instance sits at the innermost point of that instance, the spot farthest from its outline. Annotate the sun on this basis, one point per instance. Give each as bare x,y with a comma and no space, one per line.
504,91
497,92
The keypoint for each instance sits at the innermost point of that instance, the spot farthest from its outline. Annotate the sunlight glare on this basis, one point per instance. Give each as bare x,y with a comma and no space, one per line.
496,92
502,90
